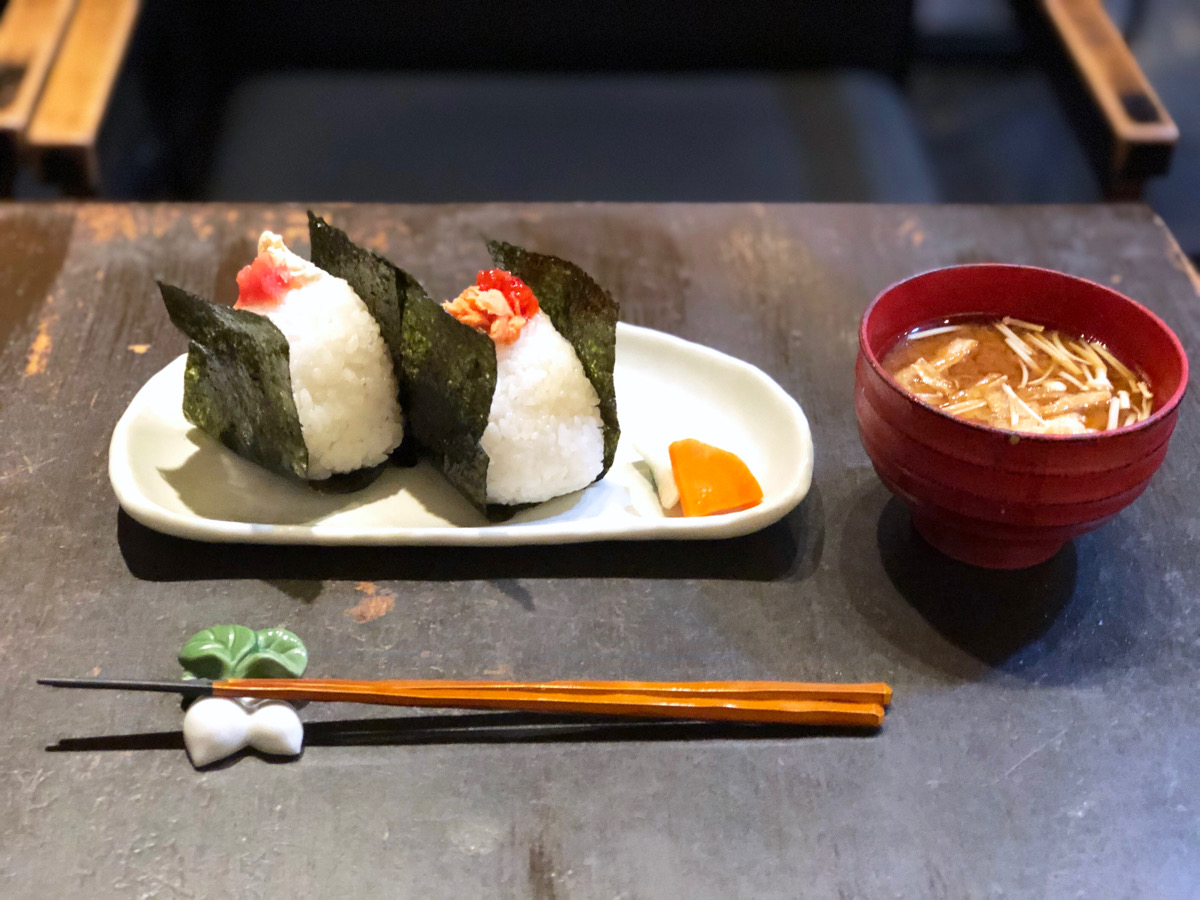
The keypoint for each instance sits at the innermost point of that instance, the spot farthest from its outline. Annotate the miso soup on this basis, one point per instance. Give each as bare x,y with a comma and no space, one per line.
1019,376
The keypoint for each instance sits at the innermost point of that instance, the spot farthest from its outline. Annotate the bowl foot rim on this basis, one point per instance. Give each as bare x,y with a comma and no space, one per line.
980,550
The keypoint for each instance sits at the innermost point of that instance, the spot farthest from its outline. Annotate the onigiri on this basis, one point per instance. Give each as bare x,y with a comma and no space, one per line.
544,434
343,381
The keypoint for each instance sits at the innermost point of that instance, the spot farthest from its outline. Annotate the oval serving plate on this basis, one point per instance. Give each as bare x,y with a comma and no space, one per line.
172,477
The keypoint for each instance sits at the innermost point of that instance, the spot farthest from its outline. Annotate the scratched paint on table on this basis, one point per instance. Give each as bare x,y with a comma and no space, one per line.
43,343
375,603
32,250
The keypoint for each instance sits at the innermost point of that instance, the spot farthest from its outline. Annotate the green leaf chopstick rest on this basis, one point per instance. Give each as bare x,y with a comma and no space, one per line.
235,651
217,727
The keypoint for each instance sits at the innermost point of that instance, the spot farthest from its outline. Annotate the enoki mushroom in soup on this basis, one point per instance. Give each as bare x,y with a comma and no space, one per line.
1019,376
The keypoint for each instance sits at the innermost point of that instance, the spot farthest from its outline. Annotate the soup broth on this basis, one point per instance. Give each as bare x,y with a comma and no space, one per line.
1019,376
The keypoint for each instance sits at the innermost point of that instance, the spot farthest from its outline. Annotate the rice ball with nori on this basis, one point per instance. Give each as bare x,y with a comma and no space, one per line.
508,388
544,435
342,378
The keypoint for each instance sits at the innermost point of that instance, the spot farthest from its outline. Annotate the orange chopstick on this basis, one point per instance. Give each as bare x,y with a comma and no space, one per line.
780,702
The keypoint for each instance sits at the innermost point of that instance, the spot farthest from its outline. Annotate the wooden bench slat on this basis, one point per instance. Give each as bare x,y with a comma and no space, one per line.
62,136
1137,119
30,32
29,36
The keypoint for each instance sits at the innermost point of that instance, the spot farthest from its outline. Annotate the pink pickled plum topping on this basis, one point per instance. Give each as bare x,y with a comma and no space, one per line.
263,284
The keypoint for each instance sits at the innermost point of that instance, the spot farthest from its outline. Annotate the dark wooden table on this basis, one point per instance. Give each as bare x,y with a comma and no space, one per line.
1044,738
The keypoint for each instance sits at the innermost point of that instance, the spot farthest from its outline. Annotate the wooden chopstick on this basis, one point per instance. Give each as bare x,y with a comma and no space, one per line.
797,703
874,692
780,705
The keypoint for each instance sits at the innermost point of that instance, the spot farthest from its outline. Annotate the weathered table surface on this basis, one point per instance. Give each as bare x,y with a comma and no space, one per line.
1044,738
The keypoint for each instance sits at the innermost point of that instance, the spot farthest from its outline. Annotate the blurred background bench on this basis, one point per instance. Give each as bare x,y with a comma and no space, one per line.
460,100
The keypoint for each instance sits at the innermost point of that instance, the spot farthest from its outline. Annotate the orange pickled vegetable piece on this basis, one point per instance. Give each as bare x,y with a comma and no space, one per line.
712,480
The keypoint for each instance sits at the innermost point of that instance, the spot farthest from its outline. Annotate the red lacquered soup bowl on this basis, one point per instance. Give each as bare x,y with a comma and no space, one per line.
999,498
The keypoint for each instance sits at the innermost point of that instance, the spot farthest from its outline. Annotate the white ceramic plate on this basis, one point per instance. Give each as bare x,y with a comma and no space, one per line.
172,477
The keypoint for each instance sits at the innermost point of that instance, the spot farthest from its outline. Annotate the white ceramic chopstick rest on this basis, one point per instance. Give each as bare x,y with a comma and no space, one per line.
275,728
217,727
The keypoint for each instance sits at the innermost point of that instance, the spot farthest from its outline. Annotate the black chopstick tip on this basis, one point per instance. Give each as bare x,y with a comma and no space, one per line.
199,687
58,682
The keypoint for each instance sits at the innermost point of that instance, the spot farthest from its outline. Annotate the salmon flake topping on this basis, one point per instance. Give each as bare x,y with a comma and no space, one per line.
498,304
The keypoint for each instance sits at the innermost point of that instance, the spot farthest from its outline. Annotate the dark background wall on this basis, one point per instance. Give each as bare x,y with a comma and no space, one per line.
445,100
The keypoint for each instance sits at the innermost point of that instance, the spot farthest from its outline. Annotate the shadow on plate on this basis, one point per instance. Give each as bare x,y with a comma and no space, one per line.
477,728
415,494
789,549
279,501
1043,624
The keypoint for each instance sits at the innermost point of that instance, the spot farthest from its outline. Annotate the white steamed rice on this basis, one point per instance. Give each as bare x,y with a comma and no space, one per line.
544,436
342,376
